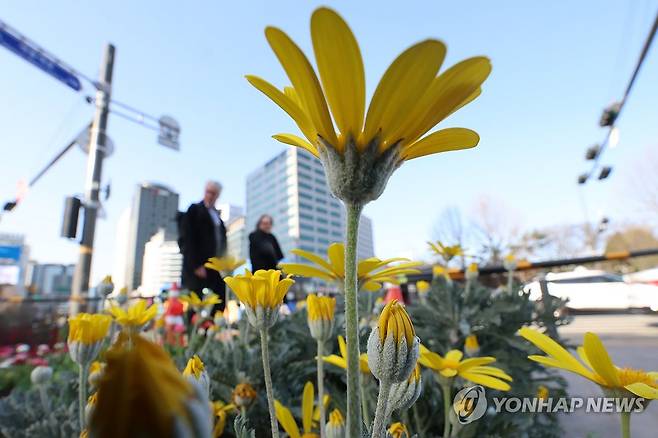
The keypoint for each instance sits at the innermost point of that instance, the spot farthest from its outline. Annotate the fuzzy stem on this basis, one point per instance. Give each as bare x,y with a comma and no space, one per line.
510,281
353,213
43,394
467,289
625,425
265,353
419,429
381,414
364,402
82,393
323,414
446,390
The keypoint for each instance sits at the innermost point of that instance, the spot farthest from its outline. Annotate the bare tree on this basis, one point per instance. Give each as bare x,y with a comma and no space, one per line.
498,229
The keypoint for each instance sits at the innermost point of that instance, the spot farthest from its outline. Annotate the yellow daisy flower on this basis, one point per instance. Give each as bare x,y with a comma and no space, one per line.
371,272
474,369
195,302
224,264
341,361
136,316
310,414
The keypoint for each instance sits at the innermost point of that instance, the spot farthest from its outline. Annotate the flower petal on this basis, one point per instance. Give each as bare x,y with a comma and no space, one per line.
491,371
335,360
336,254
314,258
451,139
474,362
402,85
341,70
286,419
297,141
303,79
600,360
486,380
643,390
553,349
303,270
307,407
287,104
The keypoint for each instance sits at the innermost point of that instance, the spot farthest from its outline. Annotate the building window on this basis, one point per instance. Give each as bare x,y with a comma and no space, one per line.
305,206
307,238
321,210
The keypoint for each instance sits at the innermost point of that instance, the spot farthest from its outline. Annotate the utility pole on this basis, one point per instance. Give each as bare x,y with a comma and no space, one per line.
97,150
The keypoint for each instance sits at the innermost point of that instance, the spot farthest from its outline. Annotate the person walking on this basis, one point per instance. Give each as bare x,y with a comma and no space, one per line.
264,249
203,235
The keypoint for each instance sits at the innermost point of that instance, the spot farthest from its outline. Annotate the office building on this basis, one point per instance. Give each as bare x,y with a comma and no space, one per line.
48,279
162,264
291,187
236,238
14,256
154,207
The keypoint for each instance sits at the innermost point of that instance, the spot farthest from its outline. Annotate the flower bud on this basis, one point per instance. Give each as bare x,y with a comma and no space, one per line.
195,372
90,407
404,394
423,286
105,287
471,345
41,375
393,346
397,430
320,316
335,427
96,371
86,333
243,395
509,262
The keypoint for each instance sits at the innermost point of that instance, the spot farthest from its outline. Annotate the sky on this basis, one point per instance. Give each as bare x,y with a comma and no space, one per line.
556,65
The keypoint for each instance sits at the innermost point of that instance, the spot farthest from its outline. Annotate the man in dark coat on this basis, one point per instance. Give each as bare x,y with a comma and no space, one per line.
204,236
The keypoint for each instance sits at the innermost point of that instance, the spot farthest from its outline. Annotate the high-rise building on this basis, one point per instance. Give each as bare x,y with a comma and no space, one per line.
236,238
14,256
154,207
50,278
229,212
162,263
291,188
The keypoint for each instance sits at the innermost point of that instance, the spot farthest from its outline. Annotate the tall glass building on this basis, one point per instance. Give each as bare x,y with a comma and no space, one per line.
291,187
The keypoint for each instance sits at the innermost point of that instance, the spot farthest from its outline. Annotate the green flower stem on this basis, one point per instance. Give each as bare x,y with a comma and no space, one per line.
364,402
446,389
625,425
353,213
381,414
265,353
43,394
510,280
82,393
419,429
323,414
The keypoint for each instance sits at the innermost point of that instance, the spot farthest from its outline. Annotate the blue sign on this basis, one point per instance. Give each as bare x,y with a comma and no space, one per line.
10,253
38,58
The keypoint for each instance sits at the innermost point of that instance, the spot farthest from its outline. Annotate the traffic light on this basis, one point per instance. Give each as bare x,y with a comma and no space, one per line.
582,179
609,115
592,152
605,172
70,223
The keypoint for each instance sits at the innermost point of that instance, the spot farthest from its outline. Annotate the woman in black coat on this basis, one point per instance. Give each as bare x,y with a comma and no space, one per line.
264,250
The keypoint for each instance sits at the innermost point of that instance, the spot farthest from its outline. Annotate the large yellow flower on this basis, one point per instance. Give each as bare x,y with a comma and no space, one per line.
474,369
263,288
197,303
136,316
409,100
341,361
372,272
88,328
224,264
310,414
594,364
143,394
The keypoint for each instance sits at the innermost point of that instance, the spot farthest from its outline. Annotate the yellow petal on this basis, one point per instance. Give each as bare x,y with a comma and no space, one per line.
454,355
314,258
371,286
486,380
335,360
600,360
552,348
336,253
342,346
307,407
288,105
402,85
643,390
475,362
451,139
286,420
491,371
448,372
303,79
303,270
341,70
448,92
297,141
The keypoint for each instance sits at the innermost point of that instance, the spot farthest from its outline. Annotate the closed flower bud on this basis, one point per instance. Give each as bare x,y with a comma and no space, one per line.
41,375
404,394
243,395
86,333
96,370
320,316
397,430
471,345
105,287
472,272
195,372
393,346
335,427
509,262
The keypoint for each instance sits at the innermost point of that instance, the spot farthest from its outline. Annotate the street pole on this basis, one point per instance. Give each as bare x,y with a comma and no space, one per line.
97,142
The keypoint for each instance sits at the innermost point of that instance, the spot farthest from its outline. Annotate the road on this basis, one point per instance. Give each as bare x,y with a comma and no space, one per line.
631,341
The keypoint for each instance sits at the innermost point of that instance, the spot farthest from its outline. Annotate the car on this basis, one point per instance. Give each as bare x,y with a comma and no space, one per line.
590,289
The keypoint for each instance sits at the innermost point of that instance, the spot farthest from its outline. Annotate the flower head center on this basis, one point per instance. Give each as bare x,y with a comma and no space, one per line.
628,376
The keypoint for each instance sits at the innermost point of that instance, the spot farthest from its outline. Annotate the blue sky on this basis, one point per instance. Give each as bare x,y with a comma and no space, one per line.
556,65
